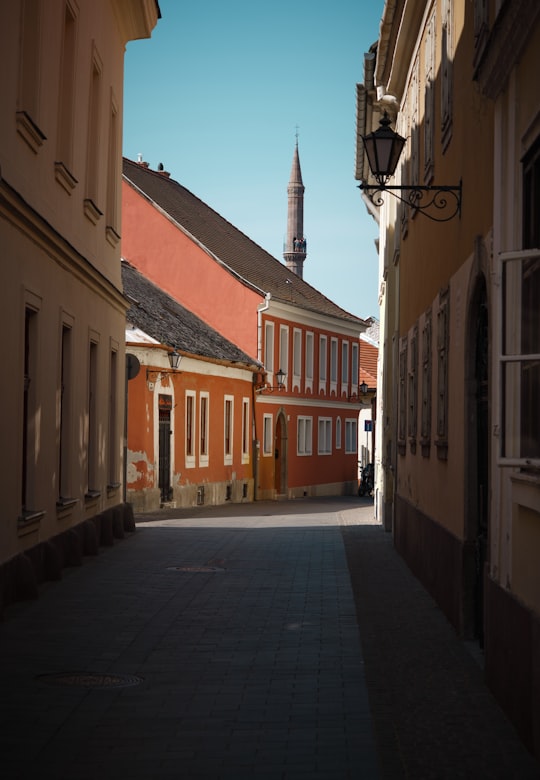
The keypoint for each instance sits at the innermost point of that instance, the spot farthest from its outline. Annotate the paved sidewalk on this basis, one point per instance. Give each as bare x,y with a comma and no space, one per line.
232,643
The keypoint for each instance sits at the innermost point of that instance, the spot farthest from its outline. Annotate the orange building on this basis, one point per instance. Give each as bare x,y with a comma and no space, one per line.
306,399
194,446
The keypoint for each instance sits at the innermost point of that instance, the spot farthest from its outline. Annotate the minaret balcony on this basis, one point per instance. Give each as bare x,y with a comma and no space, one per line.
296,246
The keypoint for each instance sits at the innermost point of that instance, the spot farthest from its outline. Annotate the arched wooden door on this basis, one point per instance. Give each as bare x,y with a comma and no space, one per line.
280,472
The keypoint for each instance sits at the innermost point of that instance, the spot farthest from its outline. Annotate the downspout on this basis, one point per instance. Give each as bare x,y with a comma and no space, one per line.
256,444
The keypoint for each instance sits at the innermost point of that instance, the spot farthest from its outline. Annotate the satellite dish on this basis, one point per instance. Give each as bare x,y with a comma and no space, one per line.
132,366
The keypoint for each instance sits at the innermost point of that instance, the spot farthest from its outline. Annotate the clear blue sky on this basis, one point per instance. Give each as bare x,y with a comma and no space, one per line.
216,94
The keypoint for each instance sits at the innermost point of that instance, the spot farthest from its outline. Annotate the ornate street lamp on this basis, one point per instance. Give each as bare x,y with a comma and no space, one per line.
383,148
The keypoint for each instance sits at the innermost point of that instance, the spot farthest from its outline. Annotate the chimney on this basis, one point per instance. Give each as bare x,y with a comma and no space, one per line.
162,171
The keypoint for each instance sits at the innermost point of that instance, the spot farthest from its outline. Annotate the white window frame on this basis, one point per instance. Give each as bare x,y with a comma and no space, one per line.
269,350
310,341
510,361
190,457
355,354
204,456
246,428
324,436
228,456
297,359
351,436
268,436
344,367
323,362
338,433
284,353
333,365
304,436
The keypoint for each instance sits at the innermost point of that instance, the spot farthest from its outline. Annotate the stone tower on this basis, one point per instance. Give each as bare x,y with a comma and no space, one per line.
295,244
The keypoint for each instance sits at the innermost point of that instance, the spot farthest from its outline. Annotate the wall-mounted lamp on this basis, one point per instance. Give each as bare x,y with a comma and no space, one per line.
364,388
280,376
383,148
174,357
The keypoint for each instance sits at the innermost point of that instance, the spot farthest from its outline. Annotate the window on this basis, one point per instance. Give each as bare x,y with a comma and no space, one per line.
519,357
30,409
402,418
190,429
338,433
413,388
447,66
268,438
92,452
28,115
228,430
442,374
297,357
64,453
269,347
304,437
429,100
113,176
284,352
246,439
113,475
325,436
351,436
425,432
309,361
92,153
67,101
345,364
204,403
333,364
354,369
322,363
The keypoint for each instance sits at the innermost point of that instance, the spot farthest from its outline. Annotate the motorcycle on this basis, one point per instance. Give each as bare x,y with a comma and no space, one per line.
366,480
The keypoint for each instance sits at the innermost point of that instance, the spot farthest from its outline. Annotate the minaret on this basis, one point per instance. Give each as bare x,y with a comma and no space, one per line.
295,244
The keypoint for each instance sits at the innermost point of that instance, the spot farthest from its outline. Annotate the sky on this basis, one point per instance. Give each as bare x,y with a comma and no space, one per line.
218,95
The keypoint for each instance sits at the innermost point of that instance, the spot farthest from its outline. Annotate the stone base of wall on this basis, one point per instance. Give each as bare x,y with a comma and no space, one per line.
434,556
512,661
311,491
185,496
21,576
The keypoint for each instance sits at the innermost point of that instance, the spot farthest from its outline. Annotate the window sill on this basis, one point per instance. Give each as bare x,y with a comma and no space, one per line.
29,521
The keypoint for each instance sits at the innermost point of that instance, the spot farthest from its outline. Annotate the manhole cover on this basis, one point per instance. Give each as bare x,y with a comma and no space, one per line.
195,568
90,680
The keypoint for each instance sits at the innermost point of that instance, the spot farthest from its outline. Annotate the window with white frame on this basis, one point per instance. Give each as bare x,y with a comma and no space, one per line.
324,446
520,359
304,436
429,100
297,357
351,436
246,428
228,427
284,352
309,361
344,367
338,433
190,428
333,363
204,418
354,369
269,347
323,359
268,435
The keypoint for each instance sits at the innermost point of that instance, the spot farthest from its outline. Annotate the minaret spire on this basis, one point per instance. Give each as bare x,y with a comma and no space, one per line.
295,243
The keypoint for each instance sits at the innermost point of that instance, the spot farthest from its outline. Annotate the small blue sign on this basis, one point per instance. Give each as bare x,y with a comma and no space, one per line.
368,426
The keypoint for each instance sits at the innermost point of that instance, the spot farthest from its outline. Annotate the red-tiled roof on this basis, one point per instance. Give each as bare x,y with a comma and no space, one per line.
232,247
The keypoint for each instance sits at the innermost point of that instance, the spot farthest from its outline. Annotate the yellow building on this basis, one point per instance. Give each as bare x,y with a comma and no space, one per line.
62,310
458,477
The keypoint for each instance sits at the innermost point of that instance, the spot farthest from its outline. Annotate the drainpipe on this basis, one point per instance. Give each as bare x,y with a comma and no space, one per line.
256,445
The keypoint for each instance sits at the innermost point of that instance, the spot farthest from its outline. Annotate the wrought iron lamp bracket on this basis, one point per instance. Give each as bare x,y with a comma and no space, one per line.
444,200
